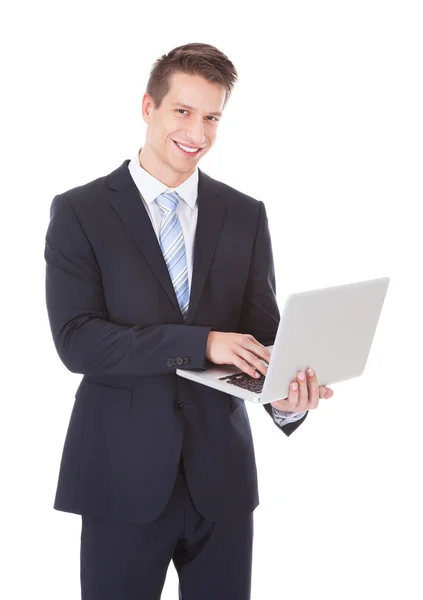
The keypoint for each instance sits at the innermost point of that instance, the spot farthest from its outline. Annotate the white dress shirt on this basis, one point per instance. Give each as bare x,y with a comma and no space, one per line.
187,212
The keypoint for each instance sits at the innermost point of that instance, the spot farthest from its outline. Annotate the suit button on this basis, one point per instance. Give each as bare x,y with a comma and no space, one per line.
179,361
186,360
178,405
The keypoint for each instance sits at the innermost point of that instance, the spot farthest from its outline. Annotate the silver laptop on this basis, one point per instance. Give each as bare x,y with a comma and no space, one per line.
330,330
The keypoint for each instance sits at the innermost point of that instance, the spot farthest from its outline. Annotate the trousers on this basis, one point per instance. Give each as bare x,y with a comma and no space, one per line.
129,561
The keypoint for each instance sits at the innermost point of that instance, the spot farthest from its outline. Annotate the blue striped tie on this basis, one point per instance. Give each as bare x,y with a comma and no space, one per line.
173,247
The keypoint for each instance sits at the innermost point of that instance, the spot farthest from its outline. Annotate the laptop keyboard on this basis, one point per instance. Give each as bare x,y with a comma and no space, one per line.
245,381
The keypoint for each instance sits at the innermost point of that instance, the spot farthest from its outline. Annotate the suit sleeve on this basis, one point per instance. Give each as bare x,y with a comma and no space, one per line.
87,342
289,427
260,313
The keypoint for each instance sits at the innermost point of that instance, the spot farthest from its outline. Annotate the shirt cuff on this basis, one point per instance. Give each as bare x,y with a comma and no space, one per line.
284,417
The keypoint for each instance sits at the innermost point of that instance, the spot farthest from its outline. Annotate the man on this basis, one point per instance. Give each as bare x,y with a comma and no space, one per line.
155,267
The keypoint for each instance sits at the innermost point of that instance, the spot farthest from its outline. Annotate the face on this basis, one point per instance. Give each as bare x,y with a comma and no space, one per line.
189,115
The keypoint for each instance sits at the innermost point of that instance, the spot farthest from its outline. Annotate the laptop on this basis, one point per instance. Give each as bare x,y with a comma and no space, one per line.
329,329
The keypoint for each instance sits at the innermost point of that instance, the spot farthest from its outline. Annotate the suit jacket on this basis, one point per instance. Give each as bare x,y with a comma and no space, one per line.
115,319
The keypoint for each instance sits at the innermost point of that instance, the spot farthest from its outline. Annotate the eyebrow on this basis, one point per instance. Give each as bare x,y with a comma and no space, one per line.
188,107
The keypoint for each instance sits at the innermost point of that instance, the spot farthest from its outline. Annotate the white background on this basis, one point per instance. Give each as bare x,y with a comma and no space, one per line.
324,126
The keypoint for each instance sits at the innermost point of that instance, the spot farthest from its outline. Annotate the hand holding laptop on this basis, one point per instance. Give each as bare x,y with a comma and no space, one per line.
304,394
329,330
246,353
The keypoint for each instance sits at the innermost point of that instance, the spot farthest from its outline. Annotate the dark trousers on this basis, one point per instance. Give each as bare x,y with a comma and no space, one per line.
127,561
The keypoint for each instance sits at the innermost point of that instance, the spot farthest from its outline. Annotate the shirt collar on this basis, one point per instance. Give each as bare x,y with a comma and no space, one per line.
150,187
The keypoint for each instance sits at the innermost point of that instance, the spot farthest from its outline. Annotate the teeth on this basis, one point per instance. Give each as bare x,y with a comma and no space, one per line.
187,149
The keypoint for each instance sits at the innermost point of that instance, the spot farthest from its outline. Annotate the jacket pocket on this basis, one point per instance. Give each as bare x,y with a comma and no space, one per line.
228,265
119,394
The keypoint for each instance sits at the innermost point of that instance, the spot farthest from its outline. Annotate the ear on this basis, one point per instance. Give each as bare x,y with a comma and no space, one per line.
147,107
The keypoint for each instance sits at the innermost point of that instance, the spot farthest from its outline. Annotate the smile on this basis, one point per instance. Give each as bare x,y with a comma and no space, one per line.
188,151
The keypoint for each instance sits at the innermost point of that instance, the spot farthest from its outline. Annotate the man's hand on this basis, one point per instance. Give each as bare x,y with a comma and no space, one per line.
239,349
304,394
246,353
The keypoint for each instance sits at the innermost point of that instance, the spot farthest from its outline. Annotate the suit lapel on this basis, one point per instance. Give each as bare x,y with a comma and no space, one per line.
130,208
211,214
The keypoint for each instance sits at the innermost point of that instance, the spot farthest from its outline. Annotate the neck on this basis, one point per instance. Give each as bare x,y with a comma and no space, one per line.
151,163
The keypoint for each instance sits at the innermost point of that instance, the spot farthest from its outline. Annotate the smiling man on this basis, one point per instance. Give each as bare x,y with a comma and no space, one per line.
180,134
152,267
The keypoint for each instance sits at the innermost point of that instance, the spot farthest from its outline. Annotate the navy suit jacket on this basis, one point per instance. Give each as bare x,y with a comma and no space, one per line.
115,319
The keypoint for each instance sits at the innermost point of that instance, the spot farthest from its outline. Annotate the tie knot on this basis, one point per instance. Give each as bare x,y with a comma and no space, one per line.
168,201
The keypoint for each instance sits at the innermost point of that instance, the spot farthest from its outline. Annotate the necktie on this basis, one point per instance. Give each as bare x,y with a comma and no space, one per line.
173,247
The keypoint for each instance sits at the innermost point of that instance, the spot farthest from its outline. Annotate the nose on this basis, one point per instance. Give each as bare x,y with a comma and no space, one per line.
195,134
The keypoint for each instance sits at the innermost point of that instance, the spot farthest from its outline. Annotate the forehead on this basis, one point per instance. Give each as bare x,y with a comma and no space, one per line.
194,93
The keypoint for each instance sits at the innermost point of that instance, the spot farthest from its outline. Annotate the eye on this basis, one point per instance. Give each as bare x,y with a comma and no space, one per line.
183,110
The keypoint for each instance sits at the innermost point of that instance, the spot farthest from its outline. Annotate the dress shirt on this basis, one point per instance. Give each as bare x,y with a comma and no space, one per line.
187,211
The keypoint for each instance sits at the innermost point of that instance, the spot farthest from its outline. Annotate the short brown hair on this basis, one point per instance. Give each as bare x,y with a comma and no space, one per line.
194,59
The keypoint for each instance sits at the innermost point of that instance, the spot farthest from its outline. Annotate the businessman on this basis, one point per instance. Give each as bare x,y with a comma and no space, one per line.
154,267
